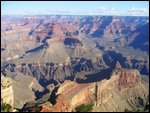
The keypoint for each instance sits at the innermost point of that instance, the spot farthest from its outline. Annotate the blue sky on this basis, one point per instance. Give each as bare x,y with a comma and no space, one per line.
136,8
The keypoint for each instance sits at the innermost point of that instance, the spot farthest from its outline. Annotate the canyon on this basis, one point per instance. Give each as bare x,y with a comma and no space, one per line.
124,89
63,61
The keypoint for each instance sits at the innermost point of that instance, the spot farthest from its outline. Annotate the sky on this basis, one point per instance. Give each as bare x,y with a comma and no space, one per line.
121,8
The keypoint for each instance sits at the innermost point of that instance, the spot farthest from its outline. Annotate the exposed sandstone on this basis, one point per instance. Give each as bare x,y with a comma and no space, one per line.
38,46
114,94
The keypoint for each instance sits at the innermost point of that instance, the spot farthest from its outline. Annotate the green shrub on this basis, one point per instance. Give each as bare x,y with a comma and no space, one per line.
5,107
84,108
126,110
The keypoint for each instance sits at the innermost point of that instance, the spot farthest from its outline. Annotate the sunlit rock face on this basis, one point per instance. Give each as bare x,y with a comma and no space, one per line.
115,94
125,76
124,86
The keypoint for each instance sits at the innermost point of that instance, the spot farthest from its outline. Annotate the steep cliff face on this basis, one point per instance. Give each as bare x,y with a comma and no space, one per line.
20,91
126,77
128,58
71,95
124,89
76,94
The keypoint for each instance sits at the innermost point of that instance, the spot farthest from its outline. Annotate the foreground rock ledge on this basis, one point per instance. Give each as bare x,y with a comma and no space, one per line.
124,89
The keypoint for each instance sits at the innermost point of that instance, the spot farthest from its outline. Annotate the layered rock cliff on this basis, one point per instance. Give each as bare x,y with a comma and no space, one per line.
55,48
124,89
52,63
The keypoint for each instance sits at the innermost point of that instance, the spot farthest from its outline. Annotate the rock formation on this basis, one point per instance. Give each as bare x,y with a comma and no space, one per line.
38,51
20,91
124,89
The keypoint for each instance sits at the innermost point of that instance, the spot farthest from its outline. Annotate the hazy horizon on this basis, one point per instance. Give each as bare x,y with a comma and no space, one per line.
115,8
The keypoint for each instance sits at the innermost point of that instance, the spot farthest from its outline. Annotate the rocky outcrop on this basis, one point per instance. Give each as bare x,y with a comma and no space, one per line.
122,76
124,89
116,94
21,91
70,95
